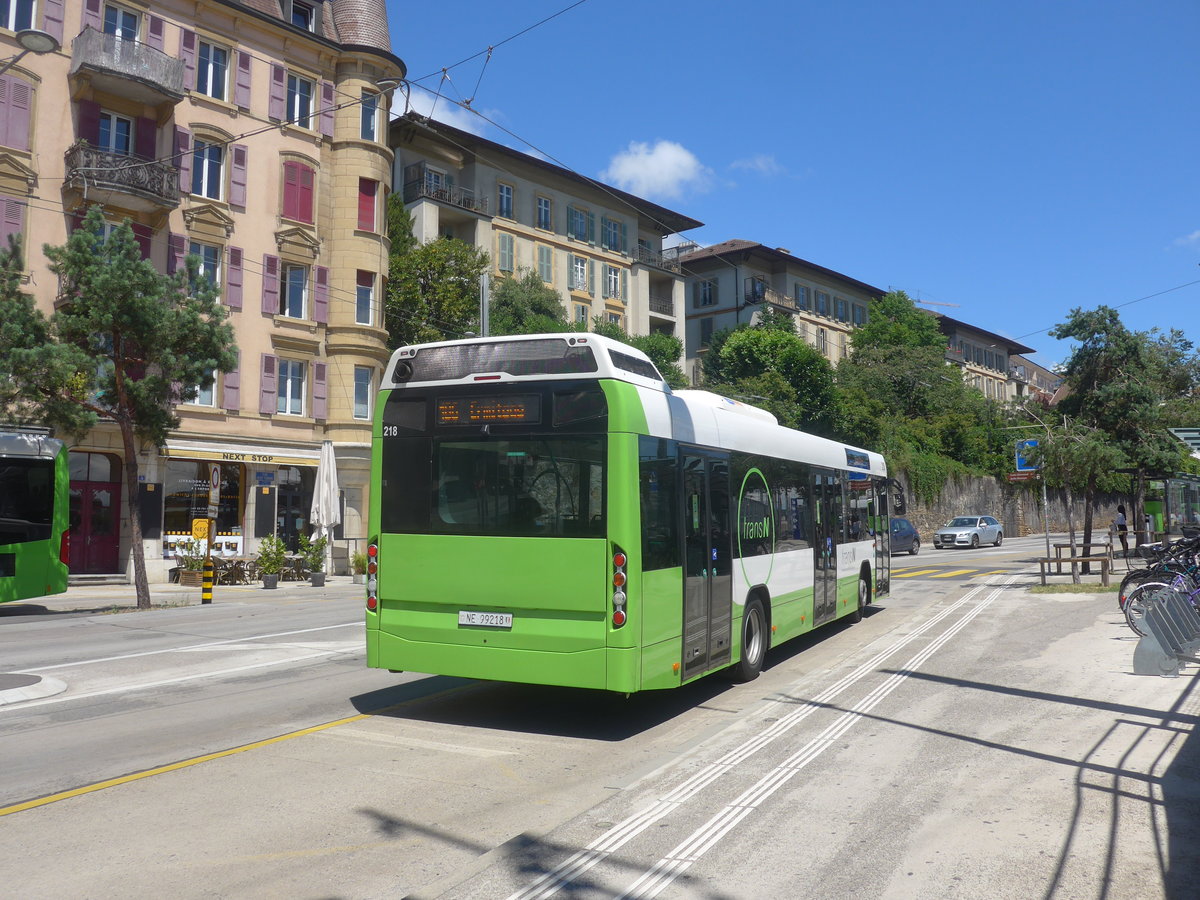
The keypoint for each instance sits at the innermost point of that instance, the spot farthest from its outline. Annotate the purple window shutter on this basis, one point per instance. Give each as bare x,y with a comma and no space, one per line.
13,219
277,104
142,234
91,14
327,108
267,390
183,158
270,292
89,121
16,98
237,174
54,17
233,279
241,94
321,294
320,404
187,52
175,253
155,32
231,396
145,138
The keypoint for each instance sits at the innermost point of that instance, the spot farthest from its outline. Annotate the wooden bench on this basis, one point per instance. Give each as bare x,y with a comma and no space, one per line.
1102,545
1044,565
1172,635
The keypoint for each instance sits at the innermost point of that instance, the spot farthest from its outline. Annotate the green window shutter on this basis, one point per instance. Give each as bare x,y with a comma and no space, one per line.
625,285
591,228
624,238
591,287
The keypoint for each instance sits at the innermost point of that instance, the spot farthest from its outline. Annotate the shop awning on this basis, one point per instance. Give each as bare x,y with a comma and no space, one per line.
252,454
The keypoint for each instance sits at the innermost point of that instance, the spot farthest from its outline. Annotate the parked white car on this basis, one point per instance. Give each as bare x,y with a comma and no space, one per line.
969,531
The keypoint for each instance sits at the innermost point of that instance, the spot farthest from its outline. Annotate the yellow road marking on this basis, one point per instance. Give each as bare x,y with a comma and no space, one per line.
905,573
955,572
208,757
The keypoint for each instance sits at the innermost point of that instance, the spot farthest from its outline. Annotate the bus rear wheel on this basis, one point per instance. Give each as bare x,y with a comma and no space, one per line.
754,641
864,597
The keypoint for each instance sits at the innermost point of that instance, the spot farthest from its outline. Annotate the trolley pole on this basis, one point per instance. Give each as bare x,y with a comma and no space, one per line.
214,499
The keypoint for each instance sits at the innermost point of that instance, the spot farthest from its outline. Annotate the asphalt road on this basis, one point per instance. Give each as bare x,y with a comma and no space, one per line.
966,739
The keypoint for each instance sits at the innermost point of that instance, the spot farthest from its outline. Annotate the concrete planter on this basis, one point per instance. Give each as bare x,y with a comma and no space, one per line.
270,582
317,579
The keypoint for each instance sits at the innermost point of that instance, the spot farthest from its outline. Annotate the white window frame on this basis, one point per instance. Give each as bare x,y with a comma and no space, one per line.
210,260
15,21
307,15
291,387
205,181
579,273
610,234
612,282
299,107
369,119
505,195
206,396
121,11
113,118
708,293
205,82
364,296
290,283
363,379
544,214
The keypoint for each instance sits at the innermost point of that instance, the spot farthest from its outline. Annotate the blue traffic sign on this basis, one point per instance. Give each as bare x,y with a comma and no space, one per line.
1023,448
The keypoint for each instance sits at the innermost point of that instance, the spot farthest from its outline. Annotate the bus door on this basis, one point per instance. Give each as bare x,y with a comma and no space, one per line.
881,525
827,499
708,553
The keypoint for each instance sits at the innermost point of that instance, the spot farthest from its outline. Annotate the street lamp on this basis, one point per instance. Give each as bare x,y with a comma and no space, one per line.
32,40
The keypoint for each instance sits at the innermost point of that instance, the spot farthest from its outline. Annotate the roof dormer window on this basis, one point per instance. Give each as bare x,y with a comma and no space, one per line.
303,15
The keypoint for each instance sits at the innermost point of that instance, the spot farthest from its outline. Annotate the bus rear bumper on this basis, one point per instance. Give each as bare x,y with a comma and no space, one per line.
602,668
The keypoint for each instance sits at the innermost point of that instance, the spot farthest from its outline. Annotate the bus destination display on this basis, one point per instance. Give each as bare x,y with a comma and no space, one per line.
489,410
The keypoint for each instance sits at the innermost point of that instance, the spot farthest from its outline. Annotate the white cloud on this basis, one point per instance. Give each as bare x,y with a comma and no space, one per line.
442,110
762,163
665,169
1191,240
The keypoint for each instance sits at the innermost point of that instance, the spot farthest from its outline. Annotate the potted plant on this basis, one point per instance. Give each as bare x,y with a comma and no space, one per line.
271,553
313,554
358,565
191,562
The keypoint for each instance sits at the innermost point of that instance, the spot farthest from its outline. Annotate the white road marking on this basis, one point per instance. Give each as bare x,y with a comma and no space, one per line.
617,836
252,637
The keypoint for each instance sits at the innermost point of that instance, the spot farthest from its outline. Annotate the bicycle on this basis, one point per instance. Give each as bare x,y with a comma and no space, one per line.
1171,567
1135,607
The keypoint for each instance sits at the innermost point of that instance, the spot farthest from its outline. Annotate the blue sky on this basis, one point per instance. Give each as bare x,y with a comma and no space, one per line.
1017,159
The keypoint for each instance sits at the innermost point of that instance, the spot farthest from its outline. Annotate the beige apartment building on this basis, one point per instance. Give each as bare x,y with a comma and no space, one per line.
599,247
730,281
984,358
253,135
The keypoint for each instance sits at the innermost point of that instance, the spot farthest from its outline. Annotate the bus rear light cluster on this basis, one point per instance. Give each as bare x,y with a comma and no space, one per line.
64,548
372,576
618,580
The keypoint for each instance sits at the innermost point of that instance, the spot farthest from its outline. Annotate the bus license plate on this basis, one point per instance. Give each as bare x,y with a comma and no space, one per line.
486,619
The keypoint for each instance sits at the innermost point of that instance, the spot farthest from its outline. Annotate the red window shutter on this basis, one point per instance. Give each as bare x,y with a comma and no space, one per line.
91,14
155,31
291,190
12,219
183,158
143,235
305,195
187,52
327,105
277,103
54,18
367,189
175,254
145,138
234,275
16,99
231,396
89,121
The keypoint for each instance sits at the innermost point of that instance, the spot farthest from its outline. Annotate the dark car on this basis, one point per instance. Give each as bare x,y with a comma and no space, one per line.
905,537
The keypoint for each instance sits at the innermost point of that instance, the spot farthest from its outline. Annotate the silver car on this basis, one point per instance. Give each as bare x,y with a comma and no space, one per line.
969,531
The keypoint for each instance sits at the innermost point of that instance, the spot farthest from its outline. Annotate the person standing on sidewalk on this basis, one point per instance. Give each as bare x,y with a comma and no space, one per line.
1123,530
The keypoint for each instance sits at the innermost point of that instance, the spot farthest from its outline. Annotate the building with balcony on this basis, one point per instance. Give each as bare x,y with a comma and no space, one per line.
983,356
1027,379
252,134
599,247
729,282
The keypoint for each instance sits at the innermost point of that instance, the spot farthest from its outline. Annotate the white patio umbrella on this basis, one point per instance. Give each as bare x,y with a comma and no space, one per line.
326,513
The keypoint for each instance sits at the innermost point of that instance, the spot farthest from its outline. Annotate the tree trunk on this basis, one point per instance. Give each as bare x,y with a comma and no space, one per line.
1089,499
140,585
1138,508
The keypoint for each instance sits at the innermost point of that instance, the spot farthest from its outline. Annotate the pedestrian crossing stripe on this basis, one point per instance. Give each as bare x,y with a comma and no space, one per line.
908,574
954,572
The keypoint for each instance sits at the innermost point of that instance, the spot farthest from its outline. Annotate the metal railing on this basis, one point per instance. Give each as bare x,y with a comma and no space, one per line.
649,257
90,166
130,59
463,198
662,304
759,293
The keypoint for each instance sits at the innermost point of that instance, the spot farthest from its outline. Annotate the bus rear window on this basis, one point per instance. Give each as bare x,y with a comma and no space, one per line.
26,500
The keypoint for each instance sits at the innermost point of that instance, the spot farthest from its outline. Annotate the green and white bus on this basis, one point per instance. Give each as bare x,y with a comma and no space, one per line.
34,484
546,509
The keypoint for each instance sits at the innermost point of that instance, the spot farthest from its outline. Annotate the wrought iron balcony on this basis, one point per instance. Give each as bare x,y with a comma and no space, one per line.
662,305
649,257
757,292
126,68
155,184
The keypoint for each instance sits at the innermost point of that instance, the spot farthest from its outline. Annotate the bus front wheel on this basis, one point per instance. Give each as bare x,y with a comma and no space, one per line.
864,597
754,641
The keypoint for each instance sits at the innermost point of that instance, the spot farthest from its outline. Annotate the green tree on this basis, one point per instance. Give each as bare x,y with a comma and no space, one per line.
664,350
525,305
895,321
1128,385
433,293
123,347
749,354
